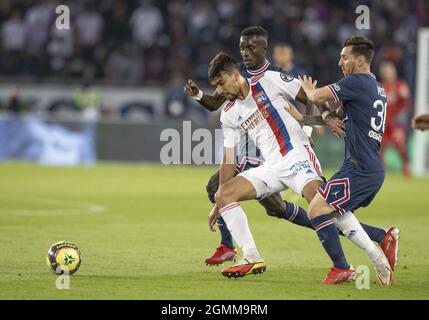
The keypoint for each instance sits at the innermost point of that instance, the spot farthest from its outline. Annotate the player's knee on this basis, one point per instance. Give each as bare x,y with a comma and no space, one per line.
314,210
318,208
224,196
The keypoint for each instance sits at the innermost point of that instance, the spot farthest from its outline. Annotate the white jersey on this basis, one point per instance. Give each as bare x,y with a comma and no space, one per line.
262,115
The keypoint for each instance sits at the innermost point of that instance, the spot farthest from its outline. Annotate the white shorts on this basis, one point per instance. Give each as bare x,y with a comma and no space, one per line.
295,170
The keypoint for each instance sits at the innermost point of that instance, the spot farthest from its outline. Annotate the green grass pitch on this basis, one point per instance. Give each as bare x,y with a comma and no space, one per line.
143,234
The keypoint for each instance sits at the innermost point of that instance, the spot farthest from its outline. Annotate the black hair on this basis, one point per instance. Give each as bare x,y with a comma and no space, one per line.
221,63
256,31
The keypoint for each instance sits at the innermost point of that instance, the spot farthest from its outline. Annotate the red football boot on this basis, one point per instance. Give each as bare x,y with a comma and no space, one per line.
389,245
221,255
244,268
336,276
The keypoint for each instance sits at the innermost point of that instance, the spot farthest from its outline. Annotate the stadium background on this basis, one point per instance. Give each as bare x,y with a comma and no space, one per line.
127,61
106,88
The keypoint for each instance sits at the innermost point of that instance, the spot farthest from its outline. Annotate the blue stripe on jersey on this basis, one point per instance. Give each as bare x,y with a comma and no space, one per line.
281,133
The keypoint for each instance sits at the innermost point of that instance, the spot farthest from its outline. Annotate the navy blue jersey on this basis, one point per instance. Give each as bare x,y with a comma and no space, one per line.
364,106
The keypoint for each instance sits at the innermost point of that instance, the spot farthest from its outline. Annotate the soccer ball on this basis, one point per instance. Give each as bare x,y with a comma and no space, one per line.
64,257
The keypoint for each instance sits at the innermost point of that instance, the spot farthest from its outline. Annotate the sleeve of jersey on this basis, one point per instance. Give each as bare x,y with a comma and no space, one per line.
286,83
343,89
231,135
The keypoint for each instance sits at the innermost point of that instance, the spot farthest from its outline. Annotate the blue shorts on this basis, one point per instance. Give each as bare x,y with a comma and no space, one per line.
350,189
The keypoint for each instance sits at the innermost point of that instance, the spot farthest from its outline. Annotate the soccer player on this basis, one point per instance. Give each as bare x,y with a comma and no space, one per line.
398,99
253,50
421,122
258,108
361,176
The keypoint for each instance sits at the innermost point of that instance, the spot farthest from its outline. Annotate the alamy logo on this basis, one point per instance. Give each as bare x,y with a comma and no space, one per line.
362,277
63,20
63,281
362,21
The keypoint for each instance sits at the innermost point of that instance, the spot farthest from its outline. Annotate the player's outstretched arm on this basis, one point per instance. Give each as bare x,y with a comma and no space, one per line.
305,119
211,103
320,96
421,122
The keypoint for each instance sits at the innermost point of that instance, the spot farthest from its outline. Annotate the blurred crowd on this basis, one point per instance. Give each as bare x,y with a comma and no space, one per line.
153,42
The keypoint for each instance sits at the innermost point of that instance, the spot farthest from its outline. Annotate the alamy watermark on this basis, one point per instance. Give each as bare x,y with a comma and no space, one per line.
63,280
363,20
63,19
201,146
363,277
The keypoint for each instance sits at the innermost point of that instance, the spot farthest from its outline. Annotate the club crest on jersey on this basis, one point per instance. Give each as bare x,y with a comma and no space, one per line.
286,77
261,97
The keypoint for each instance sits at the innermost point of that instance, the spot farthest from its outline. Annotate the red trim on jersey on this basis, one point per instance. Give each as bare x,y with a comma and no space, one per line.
336,204
245,160
334,93
256,78
313,159
228,106
257,72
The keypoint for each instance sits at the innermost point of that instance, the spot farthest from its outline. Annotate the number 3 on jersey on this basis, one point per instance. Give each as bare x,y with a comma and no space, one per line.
379,122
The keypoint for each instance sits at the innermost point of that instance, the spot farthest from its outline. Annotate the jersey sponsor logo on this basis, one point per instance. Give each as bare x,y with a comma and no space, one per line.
254,120
374,135
381,91
286,77
299,166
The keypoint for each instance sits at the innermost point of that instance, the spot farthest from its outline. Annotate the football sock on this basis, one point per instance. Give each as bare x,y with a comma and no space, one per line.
225,235
353,230
296,215
374,233
236,221
328,236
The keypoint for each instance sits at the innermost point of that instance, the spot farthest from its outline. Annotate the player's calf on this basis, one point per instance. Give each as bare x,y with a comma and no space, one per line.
212,186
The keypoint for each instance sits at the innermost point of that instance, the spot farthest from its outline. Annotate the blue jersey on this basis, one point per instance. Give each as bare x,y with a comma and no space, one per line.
364,106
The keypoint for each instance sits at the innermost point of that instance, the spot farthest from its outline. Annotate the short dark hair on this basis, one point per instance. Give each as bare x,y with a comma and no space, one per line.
361,46
256,31
221,63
